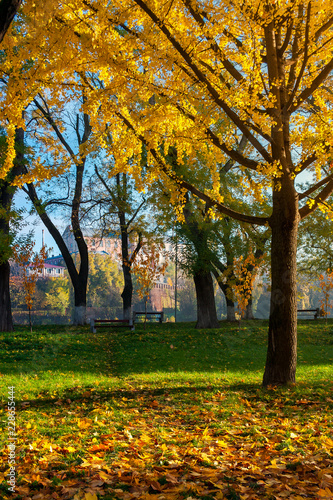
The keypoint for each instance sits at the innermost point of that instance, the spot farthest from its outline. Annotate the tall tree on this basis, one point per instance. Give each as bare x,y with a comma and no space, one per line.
263,64
119,200
7,191
258,63
56,142
201,265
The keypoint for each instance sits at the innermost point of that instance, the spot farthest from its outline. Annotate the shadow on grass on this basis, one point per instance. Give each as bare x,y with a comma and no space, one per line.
168,348
306,397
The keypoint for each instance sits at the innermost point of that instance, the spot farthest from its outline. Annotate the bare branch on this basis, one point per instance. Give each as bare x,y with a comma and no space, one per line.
316,186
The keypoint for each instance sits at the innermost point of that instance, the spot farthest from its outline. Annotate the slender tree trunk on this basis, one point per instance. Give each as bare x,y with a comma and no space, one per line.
248,313
80,288
206,310
79,280
6,321
127,261
282,335
127,292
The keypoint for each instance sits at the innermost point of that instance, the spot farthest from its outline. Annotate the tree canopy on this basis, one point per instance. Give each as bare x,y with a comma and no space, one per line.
166,76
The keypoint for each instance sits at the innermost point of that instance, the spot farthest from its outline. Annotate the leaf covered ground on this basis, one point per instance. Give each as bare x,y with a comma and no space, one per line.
166,413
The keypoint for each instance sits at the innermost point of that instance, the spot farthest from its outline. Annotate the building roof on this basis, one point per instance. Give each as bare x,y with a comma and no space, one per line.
53,266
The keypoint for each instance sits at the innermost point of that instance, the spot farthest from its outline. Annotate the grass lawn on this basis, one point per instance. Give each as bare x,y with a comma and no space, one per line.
165,413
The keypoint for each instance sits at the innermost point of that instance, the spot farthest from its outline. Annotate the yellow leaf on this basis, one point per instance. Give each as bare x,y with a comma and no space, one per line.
84,424
89,496
326,493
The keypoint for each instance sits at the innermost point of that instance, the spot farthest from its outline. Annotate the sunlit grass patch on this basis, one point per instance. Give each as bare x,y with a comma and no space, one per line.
168,412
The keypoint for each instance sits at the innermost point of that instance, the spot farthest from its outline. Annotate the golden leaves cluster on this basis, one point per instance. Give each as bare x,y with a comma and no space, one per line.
122,58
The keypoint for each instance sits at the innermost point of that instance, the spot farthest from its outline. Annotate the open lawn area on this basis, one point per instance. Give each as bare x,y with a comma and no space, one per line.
169,412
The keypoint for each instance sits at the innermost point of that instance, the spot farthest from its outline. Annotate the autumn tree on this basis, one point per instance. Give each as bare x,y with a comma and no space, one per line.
326,285
120,210
266,65
263,64
104,284
31,265
51,136
315,252
7,227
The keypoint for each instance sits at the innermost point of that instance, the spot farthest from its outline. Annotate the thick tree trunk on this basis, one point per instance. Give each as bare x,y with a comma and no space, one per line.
80,315
282,335
80,299
7,192
6,321
206,310
230,309
8,9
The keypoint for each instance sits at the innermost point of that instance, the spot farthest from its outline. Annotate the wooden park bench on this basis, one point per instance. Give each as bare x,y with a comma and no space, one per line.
315,312
102,323
158,315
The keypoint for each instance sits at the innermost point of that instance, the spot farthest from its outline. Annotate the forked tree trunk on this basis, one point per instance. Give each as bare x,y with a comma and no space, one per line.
282,335
6,321
206,310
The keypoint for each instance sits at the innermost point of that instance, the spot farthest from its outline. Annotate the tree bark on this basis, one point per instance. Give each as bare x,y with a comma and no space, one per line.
282,335
230,309
127,292
7,192
206,310
127,261
8,9
248,313
6,321
80,288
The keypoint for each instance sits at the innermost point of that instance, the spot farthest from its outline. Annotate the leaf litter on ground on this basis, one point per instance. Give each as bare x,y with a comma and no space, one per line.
175,435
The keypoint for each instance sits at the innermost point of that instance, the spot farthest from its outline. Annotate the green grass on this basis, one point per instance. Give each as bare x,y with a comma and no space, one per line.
157,399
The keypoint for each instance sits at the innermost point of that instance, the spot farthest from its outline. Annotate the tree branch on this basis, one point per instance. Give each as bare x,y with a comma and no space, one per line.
189,187
203,79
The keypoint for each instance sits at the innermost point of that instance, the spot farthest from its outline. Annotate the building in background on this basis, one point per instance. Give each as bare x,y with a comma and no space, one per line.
49,271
